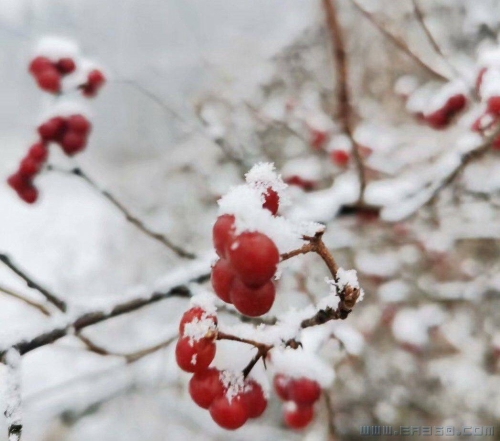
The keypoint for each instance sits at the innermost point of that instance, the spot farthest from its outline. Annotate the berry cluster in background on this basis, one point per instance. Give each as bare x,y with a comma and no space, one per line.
55,61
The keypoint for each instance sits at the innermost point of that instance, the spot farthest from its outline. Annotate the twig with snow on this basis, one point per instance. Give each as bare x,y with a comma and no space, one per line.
128,215
24,299
13,411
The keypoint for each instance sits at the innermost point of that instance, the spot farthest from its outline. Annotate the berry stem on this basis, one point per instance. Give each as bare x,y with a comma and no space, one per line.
52,298
128,215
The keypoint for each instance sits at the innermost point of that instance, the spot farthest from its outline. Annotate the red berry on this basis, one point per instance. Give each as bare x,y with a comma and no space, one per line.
29,194
254,258
38,152
66,65
96,78
222,233
49,80
53,129
195,314
456,103
222,279
73,142
79,124
297,417
194,356
300,182
438,119
28,167
281,383
493,105
205,386
18,182
252,301
254,399
318,138
495,145
339,157
272,201
39,64
303,391
229,414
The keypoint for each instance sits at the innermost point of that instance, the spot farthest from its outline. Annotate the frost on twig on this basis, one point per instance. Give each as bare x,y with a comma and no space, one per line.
13,411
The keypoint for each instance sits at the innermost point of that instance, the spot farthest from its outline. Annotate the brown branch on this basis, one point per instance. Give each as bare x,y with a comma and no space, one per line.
29,302
399,42
344,107
128,215
329,415
465,160
92,318
52,298
420,18
130,357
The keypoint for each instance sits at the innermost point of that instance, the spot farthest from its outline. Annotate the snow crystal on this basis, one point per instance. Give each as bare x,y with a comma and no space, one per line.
199,328
234,383
262,176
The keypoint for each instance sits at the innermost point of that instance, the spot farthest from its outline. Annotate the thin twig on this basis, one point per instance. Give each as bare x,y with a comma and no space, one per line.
52,298
92,318
344,106
130,357
128,215
465,160
329,415
29,302
420,18
399,42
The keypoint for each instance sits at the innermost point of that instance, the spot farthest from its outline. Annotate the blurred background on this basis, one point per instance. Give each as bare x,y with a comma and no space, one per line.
197,92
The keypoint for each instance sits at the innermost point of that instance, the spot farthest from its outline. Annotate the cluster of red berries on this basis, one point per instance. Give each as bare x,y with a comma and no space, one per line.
231,402
442,117
48,74
299,395
70,133
22,180
248,261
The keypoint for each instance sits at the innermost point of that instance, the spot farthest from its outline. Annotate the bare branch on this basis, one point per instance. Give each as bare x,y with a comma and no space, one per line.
29,302
344,107
420,18
52,298
399,42
128,215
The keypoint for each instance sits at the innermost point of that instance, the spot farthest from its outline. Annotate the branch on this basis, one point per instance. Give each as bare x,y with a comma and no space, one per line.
29,302
420,18
399,42
95,317
52,298
130,357
345,113
13,412
128,216
465,160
